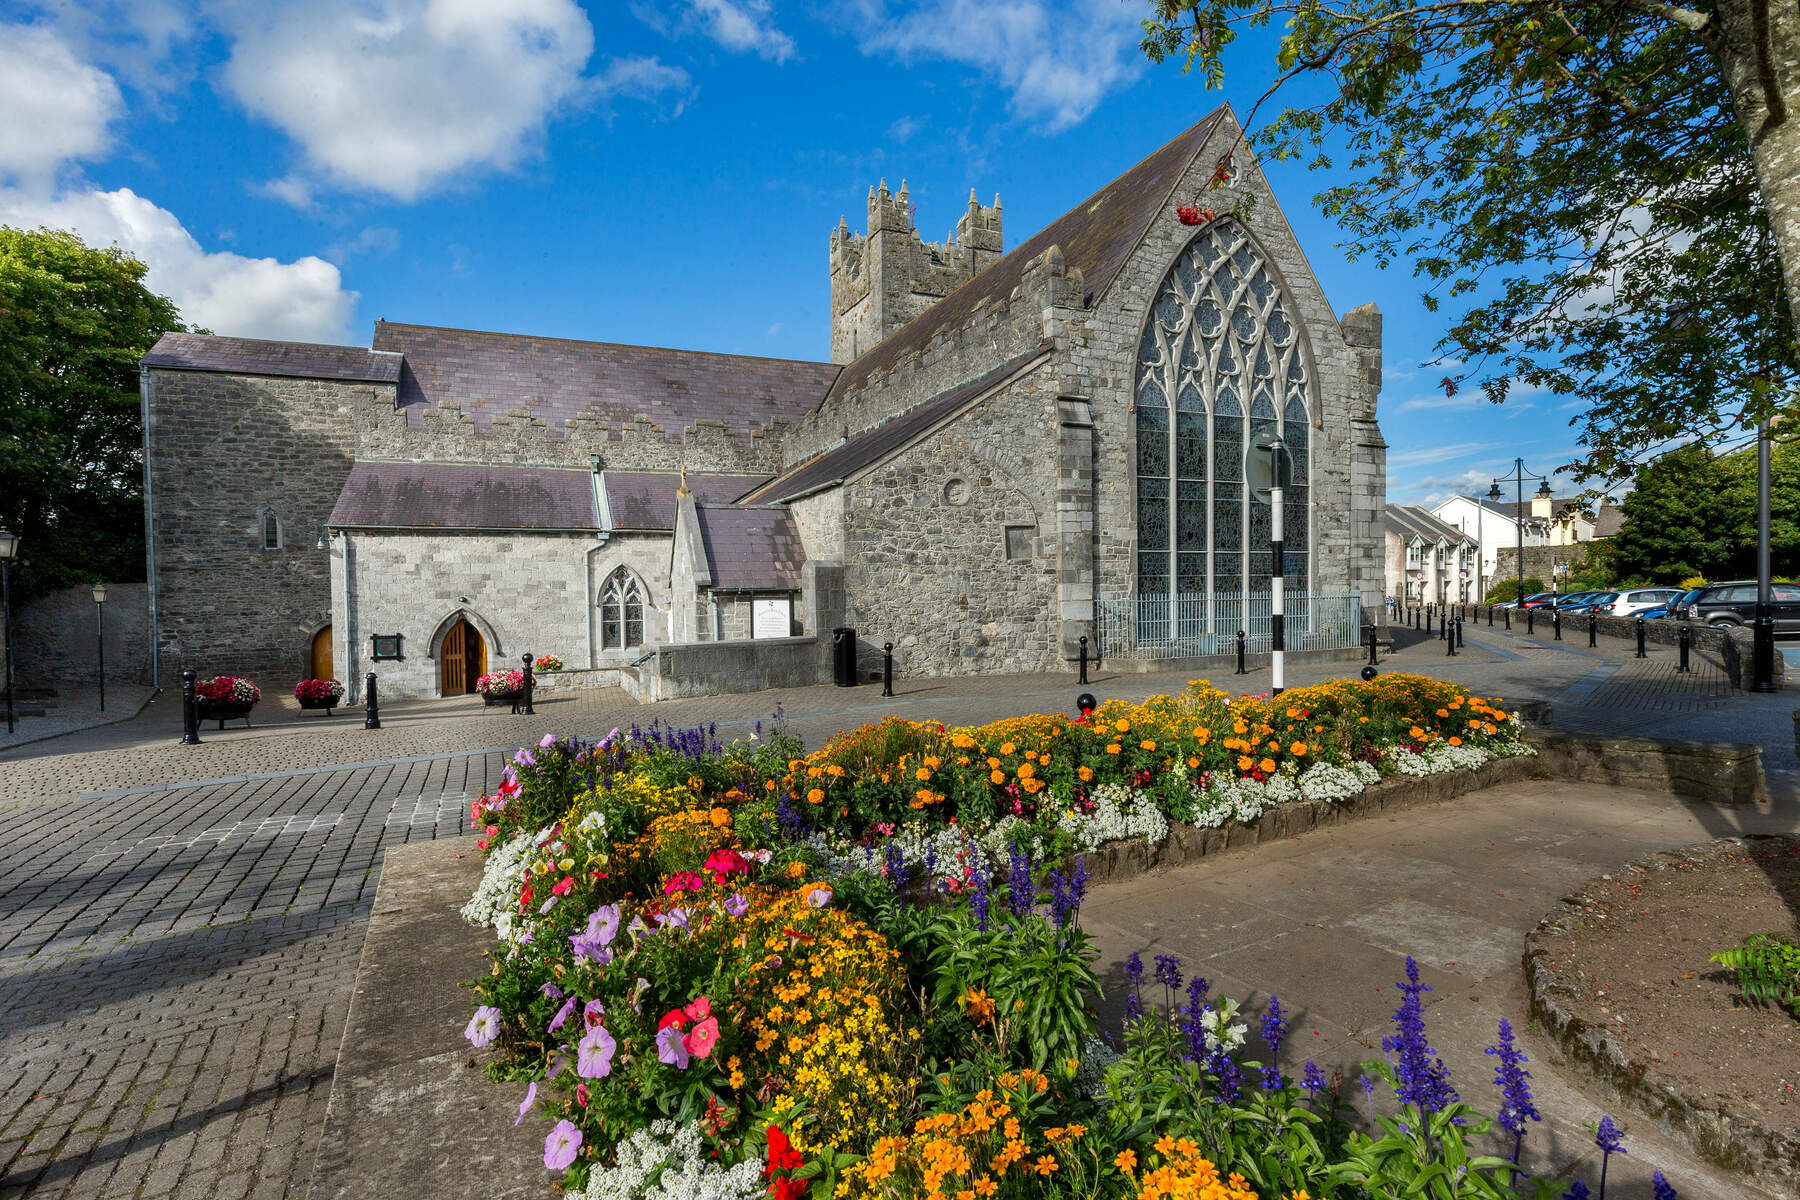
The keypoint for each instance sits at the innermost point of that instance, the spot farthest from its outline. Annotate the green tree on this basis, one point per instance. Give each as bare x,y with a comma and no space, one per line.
1612,186
74,321
1684,516
1505,591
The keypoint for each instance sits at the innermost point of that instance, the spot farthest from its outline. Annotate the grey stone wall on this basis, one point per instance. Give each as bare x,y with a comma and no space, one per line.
221,449
56,636
926,546
526,593
646,555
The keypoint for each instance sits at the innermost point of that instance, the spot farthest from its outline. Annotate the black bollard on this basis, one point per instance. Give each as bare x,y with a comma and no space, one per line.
1556,620
1085,704
1686,641
1490,616
1084,677
525,704
1449,641
1640,638
1531,620
1240,642
1593,628
371,703
1374,633
1506,615
887,666
190,707
1460,644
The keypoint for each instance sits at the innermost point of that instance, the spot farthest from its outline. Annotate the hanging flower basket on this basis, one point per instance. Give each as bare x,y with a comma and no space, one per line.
319,693
226,698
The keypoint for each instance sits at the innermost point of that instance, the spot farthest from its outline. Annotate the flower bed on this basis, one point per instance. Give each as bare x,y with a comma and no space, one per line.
227,691
319,693
548,663
748,970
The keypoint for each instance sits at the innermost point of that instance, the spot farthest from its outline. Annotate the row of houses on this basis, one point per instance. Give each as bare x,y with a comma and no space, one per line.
1452,552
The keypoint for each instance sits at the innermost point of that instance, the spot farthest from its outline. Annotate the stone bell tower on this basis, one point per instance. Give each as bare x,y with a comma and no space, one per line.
884,278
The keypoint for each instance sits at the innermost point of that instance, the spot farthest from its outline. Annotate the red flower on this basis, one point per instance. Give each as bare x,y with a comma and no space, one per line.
699,1009
525,898
674,1017
789,1189
562,886
782,1156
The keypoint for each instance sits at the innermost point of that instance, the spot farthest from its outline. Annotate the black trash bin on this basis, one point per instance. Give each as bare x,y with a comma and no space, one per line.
843,657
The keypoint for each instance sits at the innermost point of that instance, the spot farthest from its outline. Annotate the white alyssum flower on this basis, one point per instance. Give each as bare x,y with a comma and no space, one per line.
501,876
664,1161
1334,784
1119,814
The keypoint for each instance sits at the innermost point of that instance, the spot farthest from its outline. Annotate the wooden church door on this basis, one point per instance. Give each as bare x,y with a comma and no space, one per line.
462,660
321,654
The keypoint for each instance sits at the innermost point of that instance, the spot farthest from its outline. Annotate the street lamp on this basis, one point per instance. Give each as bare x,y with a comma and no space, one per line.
9,546
100,637
1519,476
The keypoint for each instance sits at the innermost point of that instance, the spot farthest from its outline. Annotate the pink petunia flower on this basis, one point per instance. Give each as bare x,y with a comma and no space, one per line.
561,1146
701,1039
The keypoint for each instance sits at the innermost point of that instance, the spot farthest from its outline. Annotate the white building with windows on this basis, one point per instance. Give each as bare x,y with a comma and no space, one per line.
1429,561
1498,525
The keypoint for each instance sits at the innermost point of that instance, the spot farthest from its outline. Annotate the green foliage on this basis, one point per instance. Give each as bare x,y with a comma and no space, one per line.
1504,591
1574,177
1766,969
1693,513
74,322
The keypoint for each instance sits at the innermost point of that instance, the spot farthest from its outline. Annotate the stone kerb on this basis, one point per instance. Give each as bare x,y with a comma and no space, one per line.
1719,772
1730,1139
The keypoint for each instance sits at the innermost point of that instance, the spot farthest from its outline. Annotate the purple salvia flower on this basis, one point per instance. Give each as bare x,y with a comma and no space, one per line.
1611,1142
1516,1107
1168,973
930,856
1660,1188
1193,1021
1577,1191
1368,1087
981,900
1274,1029
1021,894
1419,1075
1231,1076
561,1146
895,862
1313,1079
1134,970
1134,1008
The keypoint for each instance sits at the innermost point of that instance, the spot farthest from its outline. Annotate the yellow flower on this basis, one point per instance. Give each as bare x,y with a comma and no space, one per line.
1113,748
1146,744
996,777
1123,726
814,796
1245,762
1126,1161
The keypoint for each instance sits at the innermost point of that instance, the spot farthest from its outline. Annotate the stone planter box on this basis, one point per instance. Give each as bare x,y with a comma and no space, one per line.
236,710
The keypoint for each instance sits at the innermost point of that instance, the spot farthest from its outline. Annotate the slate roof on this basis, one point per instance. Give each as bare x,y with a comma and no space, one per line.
1609,521
646,499
872,446
253,356
1096,235
751,548
1407,519
381,495
554,379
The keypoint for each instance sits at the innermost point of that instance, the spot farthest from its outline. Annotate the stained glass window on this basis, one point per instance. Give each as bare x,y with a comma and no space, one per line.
1220,368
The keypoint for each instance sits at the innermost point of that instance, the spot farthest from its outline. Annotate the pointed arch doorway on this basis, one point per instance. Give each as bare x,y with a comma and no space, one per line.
462,659
321,654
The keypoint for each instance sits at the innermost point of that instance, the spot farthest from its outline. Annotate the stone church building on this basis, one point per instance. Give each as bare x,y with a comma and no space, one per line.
1006,447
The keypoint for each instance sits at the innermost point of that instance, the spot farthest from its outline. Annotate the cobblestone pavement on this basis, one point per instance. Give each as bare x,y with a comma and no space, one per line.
180,926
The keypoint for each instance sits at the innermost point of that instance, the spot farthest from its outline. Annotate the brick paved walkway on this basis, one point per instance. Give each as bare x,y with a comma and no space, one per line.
180,926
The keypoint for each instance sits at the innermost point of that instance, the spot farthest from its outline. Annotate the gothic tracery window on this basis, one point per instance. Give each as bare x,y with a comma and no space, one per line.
1220,369
621,611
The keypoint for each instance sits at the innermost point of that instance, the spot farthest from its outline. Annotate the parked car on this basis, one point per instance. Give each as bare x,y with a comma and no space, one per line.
1658,613
1727,604
1598,602
1541,600
1574,598
1635,601
1680,605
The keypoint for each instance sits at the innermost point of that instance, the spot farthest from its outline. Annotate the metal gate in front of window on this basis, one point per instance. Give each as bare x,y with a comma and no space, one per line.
1196,624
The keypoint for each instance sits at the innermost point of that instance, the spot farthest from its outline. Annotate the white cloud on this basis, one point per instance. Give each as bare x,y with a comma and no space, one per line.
403,96
1437,454
375,239
903,129
1058,62
741,25
639,78
303,300
55,107
289,189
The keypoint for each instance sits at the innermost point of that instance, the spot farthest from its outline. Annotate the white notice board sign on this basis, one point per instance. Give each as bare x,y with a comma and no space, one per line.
772,618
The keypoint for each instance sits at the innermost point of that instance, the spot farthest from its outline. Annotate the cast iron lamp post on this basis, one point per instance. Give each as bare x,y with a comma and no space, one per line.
100,637
9,546
1519,476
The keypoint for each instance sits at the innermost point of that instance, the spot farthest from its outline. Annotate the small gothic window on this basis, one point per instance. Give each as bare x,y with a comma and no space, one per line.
1018,541
621,611
271,530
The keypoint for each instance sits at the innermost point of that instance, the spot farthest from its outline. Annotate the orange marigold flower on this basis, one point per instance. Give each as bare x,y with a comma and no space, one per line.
1007,748
922,775
1245,762
996,777
1415,733
1113,749
1085,774
1298,749
1126,1161
1456,741
720,817
814,796
1193,763
1146,744
1267,765
1123,726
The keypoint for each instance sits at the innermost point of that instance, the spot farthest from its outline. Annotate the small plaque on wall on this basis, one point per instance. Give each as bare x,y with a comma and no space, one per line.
386,646
771,618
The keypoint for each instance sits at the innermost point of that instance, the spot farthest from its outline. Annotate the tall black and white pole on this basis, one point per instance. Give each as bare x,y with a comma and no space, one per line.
1277,574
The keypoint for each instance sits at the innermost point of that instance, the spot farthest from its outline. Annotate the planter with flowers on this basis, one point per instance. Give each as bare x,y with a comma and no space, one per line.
547,663
319,693
227,698
501,687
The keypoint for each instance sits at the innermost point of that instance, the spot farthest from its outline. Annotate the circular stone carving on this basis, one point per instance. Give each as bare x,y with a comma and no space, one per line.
956,491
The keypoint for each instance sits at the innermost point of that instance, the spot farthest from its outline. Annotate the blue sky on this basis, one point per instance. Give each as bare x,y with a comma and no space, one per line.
659,173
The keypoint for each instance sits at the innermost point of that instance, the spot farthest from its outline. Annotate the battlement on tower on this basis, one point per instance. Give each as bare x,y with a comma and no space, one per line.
884,278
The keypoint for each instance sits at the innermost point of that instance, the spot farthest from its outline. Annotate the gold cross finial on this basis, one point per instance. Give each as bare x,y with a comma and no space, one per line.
683,489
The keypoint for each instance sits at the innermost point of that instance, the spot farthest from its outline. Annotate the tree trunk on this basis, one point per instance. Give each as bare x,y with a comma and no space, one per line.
1757,46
